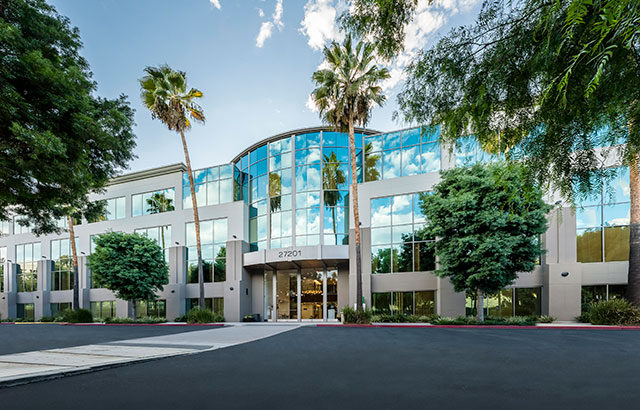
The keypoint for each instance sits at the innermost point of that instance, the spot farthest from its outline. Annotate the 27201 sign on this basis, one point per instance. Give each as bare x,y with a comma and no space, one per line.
292,253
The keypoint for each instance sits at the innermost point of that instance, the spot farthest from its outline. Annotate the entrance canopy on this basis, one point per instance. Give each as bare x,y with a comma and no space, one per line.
298,257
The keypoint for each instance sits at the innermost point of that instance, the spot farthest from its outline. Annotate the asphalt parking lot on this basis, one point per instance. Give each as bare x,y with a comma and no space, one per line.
369,368
17,338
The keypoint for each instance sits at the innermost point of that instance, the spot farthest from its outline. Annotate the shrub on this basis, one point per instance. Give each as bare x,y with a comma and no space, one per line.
546,319
614,312
197,315
47,319
500,321
182,318
77,316
350,315
112,320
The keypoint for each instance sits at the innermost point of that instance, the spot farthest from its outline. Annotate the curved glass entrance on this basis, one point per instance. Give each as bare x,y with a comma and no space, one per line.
301,294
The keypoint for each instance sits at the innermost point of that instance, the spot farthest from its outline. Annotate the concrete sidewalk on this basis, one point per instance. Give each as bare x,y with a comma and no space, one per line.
27,367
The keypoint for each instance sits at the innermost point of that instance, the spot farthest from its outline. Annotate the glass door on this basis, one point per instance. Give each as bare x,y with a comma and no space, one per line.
287,294
311,297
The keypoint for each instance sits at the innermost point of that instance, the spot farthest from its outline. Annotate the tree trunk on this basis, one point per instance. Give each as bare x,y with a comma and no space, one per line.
633,280
196,219
135,310
480,306
333,214
356,214
74,253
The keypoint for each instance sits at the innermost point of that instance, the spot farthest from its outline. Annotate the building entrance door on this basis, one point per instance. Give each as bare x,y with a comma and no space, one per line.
301,294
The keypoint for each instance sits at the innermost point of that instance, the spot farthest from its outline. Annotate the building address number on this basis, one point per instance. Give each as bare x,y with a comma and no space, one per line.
290,253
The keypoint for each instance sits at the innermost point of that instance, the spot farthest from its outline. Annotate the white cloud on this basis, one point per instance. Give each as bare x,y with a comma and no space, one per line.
216,4
319,23
311,105
265,32
260,12
266,28
277,15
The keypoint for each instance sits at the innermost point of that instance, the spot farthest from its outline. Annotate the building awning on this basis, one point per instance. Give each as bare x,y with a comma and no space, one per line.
298,257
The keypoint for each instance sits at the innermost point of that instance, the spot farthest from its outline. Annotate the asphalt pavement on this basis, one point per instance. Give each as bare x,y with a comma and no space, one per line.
17,338
369,368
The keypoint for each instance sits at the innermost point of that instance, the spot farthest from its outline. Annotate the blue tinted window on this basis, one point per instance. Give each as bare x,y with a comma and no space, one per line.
225,171
431,157
375,142
392,140
200,176
259,154
244,161
430,134
341,154
213,174
411,137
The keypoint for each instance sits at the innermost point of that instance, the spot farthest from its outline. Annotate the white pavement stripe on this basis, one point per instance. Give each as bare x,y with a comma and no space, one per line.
227,336
24,367
120,351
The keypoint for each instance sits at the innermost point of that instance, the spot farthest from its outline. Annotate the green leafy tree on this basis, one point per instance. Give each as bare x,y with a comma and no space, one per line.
553,79
59,141
165,93
345,94
131,265
332,179
488,220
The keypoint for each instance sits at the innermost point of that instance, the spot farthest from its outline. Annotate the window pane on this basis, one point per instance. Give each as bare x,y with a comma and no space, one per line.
401,210
431,157
425,302
380,259
381,303
411,161
588,217
615,215
616,244
425,259
391,164
527,301
381,211
589,244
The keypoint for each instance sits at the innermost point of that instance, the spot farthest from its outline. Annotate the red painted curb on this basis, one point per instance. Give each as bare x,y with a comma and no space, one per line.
144,324
488,327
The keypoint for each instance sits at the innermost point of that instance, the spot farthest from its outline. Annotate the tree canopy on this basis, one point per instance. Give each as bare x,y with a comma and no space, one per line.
487,220
59,141
131,265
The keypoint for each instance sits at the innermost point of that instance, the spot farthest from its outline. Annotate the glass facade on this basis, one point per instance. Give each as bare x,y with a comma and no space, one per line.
153,202
27,256
602,220
469,152
160,234
399,242
5,227
58,308
402,153
103,309
212,185
508,302
62,274
420,303
597,293
216,305
3,259
151,308
114,209
26,311
19,228
213,241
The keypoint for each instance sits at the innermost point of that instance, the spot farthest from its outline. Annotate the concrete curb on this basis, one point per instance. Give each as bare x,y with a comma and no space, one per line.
538,327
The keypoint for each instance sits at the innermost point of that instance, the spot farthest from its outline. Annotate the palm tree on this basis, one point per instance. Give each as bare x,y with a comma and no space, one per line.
160,203
332,178
345,95
165,93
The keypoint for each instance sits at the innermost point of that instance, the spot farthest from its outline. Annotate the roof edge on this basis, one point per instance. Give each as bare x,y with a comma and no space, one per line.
296,132
148,173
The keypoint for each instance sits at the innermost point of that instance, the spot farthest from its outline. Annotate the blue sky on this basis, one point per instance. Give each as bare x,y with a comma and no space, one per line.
253,60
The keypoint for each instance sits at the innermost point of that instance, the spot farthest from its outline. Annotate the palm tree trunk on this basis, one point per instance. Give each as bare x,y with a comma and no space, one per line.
356,214
480,306
633,280
74,253
196,219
